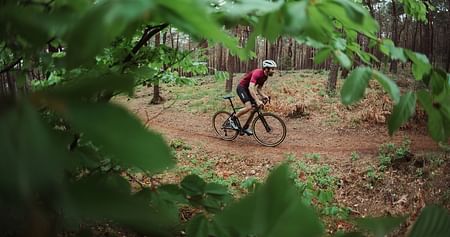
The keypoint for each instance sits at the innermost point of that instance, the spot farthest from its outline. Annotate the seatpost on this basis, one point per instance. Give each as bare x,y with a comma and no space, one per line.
232,106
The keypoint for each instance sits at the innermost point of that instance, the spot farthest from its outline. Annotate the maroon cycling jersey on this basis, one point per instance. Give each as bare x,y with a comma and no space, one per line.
256,76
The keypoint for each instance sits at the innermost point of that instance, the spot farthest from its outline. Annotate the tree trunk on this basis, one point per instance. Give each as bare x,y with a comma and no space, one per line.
273,51
204,46
369,5
178,41
266,56
332,79
430,34
280,54
220,60
295,56
11,82
229,82
308,57
394,63
171,38
414,40
157,98
290,53
406,43
2,86
448,59
344,73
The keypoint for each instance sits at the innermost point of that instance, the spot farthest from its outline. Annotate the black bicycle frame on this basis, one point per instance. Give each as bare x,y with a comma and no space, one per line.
250,118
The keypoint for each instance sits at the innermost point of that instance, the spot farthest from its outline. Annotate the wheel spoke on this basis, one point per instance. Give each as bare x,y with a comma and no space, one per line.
221,128
269,130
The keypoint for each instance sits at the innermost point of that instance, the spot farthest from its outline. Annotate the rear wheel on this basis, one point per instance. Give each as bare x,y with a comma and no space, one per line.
269,129
220,125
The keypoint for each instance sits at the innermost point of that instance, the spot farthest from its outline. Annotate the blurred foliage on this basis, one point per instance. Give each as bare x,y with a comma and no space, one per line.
66,150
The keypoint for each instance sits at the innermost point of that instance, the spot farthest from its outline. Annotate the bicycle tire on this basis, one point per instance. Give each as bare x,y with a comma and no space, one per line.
218,122
269,138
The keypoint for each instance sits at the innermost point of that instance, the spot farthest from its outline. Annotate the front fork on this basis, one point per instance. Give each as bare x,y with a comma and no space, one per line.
264,122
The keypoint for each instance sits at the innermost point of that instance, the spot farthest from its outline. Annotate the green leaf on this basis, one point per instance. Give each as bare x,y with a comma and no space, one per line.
100,26
325,196
172,193
437,82
388,85
120,134
221,75
443,99
194,18
216,189
296,17
340,44
421,64
31,26
351,234
319,25
322,55
437,122
258,7
364,56
425,100
353,11
436,126
116,182
415,8
211,204
343,59
91,197
216,229
270,26
310,42
21,79
193,185
388,47
380,226
89,85
397,53
351,35
273,210
432,221
402,111
355,85
350,15
32,160
198,227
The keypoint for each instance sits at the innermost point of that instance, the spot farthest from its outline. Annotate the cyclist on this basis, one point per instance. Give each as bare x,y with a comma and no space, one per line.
250,87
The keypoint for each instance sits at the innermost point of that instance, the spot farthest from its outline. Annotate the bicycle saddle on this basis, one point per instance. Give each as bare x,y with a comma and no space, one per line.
228,97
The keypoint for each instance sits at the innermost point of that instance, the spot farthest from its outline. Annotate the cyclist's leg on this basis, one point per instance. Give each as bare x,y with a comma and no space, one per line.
245,97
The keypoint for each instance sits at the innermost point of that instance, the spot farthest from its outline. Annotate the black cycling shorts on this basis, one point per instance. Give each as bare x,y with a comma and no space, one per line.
244,94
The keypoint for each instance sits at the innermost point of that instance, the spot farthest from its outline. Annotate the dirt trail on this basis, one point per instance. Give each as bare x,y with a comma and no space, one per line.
245,157
303,137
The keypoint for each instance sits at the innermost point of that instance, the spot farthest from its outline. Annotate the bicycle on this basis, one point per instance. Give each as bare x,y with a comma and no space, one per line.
268,129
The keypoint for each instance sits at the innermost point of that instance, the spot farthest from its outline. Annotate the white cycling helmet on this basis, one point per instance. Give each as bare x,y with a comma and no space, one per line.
269,63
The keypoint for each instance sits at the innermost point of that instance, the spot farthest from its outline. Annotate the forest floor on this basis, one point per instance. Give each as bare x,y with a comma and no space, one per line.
337,148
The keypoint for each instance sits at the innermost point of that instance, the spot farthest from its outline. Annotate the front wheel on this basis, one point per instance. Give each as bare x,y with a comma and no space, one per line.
221,126
269,129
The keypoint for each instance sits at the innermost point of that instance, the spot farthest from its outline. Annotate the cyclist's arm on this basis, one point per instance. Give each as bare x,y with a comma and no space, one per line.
260,92
253,92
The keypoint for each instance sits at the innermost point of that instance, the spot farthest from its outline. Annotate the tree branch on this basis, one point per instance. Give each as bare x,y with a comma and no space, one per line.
10,66
148,34
46,5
